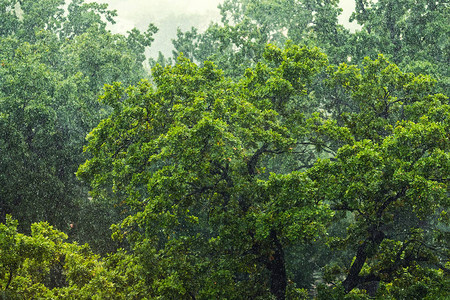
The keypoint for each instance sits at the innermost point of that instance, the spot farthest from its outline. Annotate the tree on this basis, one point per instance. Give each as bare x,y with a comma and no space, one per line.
247,26
52,69
214,171
381,185
32,152
43,265
412,32
392,179
189,158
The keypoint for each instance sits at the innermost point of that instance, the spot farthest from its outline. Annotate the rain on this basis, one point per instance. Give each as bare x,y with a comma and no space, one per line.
232,149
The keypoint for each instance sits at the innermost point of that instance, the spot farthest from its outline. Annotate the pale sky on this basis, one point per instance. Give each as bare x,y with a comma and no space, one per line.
167,15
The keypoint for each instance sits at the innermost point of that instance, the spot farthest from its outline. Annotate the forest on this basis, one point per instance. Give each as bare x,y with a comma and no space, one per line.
274,155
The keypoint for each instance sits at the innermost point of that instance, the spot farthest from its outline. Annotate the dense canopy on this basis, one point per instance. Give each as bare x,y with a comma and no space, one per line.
277,155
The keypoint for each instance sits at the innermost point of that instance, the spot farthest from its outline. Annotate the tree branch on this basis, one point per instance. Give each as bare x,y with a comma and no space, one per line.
251,165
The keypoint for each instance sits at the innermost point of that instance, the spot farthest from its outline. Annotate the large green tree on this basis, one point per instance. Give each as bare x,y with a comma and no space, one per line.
392,180
192,158
219,175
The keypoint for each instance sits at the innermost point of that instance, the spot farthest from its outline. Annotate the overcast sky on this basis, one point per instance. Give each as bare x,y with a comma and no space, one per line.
167,15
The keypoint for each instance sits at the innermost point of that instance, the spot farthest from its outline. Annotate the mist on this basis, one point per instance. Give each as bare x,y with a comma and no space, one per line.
168,15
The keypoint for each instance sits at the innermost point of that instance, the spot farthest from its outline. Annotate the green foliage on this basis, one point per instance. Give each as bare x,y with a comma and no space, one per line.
189,156
413,32
382,95
393,178
44,266
209,167
53,65
268,175
238,42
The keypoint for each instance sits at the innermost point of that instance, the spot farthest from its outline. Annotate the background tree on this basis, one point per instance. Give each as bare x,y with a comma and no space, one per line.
238,41
53,67
412,32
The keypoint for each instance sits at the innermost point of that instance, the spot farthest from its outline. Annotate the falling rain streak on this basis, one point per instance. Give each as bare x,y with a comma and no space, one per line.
235,149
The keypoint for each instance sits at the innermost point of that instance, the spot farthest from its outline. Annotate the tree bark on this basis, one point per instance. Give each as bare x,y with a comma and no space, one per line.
353,279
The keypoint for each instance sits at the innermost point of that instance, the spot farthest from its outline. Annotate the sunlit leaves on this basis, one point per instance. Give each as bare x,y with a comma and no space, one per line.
43,265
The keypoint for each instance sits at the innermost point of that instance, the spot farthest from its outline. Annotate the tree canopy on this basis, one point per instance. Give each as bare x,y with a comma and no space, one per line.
53,66
277,156
210,167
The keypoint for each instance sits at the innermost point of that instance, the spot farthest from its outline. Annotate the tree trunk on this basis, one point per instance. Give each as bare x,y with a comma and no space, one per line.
277,269
353,279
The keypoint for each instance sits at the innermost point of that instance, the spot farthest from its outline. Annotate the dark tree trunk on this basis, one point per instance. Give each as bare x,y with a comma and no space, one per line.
277,269
353,279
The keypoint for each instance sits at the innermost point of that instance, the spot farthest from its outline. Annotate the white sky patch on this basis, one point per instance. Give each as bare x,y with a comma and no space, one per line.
133,13
163,7
348,7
